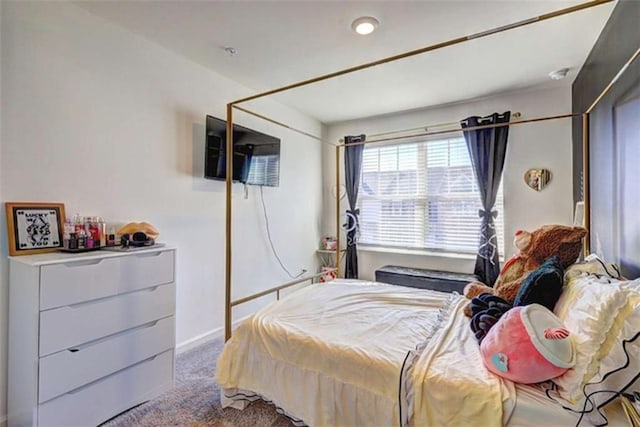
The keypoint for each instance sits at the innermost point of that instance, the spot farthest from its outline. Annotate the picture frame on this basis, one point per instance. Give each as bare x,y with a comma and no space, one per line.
34,227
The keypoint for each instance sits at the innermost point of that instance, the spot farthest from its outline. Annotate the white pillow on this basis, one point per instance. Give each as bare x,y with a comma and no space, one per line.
619,369
594,310
593,265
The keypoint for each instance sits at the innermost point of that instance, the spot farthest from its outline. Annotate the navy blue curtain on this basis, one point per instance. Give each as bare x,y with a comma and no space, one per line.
487,149
352,167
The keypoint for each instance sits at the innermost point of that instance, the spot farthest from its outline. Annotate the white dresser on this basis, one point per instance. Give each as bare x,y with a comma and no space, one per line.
90,335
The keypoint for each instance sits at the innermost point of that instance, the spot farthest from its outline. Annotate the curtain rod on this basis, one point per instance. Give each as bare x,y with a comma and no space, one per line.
518,122
515,115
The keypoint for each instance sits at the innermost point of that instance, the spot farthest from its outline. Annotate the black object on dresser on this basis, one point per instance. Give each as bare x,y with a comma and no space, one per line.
443,281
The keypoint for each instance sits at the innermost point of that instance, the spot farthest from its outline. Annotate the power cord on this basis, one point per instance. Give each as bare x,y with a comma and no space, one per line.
273,249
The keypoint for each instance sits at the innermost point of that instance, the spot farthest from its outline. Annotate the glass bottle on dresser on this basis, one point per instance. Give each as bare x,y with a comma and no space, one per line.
102,228
92,227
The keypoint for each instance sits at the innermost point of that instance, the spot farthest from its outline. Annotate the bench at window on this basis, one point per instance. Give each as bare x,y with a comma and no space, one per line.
443,281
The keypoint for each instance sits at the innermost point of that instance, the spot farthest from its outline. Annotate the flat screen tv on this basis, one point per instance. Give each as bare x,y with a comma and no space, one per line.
256,156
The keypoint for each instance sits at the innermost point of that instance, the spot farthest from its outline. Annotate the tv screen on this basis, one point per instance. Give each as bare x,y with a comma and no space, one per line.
256,156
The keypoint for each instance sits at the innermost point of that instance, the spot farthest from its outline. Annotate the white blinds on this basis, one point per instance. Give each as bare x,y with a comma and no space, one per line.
264,170
422,195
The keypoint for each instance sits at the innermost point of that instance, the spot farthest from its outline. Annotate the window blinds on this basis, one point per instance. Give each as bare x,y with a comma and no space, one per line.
264,170
422,195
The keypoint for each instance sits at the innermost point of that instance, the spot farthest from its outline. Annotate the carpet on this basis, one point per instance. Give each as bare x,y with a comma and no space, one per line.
195,399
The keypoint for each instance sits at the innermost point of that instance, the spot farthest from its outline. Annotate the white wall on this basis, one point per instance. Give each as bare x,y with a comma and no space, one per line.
113,125
537,145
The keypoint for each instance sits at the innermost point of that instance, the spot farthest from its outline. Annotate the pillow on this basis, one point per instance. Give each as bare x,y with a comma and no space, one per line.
594,310
593,265
542,286
619,369
528,345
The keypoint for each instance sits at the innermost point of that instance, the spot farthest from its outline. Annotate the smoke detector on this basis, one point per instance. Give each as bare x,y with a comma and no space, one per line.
231,51
559,74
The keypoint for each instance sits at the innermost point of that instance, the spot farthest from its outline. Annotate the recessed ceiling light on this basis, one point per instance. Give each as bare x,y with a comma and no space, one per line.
365,25
559,74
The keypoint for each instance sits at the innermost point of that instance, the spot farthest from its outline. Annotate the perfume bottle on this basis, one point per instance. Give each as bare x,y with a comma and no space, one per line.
67,235
88,240
93,230
111,237
102,231
78,222
82,236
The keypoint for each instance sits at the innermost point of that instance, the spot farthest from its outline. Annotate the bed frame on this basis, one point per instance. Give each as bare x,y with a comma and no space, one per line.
628,248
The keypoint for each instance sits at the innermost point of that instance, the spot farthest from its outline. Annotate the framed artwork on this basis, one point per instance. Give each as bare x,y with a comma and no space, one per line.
34,228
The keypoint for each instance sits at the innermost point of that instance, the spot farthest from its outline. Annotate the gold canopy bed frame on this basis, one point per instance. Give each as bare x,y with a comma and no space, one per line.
229,303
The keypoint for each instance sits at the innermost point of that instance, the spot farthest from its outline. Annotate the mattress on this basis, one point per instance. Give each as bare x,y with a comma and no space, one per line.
341,345
352,352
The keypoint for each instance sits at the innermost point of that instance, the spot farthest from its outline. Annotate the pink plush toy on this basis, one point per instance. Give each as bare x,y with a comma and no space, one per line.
528,345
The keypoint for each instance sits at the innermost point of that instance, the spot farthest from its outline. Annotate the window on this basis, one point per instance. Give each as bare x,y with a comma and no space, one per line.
264,170
422,195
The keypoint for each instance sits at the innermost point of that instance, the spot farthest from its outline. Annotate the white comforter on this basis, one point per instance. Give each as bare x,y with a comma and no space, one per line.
333,355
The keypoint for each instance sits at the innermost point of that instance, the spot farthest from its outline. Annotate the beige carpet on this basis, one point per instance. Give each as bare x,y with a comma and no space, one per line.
195,399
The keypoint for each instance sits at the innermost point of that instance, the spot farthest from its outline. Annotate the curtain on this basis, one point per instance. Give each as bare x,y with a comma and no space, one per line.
487,149
352,167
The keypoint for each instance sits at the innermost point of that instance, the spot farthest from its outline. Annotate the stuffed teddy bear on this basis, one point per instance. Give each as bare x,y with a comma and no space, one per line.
534,248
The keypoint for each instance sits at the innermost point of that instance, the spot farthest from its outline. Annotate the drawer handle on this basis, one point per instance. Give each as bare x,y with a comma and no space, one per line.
110,297
111,336
148,254
83,263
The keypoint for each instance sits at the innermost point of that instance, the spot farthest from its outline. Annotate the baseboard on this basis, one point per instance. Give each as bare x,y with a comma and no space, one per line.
201,339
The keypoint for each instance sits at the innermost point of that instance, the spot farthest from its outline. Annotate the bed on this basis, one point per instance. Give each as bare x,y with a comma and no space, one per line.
359,353
348,341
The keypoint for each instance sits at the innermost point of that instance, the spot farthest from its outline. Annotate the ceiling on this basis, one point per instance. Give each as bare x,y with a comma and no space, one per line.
282,42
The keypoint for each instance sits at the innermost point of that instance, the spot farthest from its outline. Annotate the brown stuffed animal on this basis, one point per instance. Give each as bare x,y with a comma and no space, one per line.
533,249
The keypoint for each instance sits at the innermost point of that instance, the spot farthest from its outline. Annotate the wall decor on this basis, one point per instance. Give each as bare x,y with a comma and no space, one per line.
34,227
537,179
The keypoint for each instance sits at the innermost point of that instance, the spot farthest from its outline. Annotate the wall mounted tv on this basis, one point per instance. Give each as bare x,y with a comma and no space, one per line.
256,156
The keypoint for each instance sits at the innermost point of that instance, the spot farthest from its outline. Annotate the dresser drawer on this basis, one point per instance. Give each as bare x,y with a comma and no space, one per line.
83,280
97,402
65,327
67,370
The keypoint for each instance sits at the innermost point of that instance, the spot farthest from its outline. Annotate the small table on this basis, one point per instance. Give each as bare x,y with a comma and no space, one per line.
327,257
